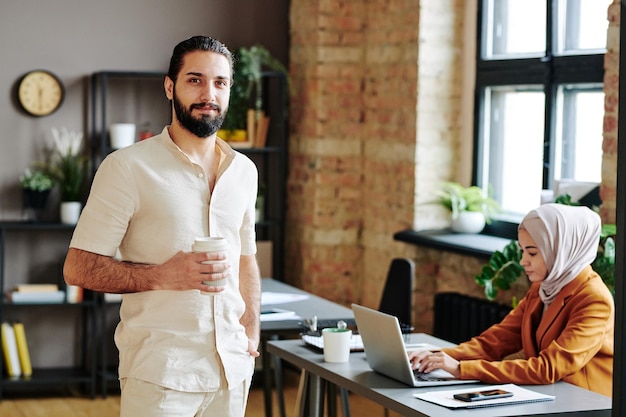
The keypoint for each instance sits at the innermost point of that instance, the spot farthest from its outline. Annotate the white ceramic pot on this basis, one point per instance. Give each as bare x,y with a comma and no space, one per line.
468,222
70,211
122,135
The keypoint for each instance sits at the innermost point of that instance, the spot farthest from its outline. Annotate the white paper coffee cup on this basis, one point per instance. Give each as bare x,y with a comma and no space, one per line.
211,244
336,344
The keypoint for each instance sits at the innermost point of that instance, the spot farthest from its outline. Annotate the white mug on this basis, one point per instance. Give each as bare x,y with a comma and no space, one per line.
336,344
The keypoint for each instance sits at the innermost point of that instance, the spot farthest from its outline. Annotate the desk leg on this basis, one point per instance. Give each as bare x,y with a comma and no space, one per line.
311,390
345,403
267,379
332,399
279,385
316,396
303,389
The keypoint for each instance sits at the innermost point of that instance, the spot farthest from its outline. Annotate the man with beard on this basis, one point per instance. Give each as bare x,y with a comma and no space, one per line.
186,348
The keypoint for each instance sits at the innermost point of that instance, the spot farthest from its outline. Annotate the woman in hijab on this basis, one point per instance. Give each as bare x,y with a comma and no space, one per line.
562,330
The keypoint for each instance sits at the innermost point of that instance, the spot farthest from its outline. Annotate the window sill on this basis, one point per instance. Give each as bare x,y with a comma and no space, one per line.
479,245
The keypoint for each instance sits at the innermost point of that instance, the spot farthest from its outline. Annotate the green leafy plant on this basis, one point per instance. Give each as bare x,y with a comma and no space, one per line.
252,61
566,199
247,88
67,165
456,198
501,271
36,180
604,264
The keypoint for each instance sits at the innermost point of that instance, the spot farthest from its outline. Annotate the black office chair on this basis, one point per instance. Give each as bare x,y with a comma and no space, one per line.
397,298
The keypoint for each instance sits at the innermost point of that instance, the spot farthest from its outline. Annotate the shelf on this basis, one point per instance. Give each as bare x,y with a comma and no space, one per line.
82,304
265,149
84,368
44,376
466,244
20,225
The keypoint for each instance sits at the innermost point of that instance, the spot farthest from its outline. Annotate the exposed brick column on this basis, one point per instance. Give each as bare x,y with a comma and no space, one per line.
360,161
324,222
611,91
352,147
389,136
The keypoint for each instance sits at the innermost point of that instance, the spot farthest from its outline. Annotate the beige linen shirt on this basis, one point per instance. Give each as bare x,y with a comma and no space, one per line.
150,201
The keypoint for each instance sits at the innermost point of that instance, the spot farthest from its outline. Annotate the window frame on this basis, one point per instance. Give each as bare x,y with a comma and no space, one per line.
550,70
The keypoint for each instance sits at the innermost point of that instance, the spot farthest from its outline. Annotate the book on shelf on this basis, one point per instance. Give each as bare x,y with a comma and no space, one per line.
74,294
251,125
36,293
112,298
262,126
22,349
36,297
9,350
36,288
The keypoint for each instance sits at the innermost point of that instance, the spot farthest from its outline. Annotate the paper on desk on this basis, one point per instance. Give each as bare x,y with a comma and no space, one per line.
269,297
520,396
275,314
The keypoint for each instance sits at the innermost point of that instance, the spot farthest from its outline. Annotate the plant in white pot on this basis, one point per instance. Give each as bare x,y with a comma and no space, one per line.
36,186
68,167
470,207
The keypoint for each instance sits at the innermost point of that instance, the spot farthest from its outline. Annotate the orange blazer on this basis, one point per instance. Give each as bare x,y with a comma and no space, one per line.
572,342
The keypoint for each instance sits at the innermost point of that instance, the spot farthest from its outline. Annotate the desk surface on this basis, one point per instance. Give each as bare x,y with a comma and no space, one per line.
304,309
358,377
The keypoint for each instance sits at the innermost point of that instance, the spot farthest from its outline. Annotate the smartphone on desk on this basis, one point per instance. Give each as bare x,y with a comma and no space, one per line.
483,395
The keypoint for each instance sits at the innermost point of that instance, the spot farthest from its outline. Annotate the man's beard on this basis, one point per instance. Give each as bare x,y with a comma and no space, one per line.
202,127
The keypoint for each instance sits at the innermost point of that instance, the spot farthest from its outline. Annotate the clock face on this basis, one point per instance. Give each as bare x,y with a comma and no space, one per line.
40,93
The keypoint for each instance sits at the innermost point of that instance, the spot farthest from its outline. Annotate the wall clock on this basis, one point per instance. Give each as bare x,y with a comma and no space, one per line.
40,92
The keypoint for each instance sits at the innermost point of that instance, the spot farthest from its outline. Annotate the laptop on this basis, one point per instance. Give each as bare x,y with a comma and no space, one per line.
386,351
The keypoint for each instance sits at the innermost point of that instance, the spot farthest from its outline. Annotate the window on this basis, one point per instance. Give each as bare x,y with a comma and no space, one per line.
539,98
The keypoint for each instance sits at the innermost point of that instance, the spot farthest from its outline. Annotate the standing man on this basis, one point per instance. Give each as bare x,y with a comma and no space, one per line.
186,348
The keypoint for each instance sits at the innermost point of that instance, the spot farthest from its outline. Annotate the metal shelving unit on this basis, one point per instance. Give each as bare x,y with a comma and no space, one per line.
83,373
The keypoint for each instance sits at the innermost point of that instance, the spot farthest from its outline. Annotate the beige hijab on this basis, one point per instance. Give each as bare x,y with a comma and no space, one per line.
567,237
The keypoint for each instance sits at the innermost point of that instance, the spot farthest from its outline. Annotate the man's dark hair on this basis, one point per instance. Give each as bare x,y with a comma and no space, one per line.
196,43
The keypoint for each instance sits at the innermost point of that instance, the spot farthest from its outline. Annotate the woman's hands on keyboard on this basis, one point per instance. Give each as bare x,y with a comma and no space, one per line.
428,361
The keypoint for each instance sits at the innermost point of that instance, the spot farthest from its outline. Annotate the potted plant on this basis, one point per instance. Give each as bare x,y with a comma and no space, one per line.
36,186
246,95
68,167
470,207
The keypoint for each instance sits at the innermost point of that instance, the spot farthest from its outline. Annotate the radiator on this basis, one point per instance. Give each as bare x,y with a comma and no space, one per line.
459,317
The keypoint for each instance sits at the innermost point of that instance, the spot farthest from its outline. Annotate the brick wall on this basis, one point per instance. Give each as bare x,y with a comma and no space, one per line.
376,104
611,90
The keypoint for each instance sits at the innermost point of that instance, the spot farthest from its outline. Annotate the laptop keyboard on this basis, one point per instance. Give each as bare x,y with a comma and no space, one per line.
423,376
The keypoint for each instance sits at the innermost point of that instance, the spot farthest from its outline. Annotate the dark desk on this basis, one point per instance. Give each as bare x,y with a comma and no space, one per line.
313,305
357,377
